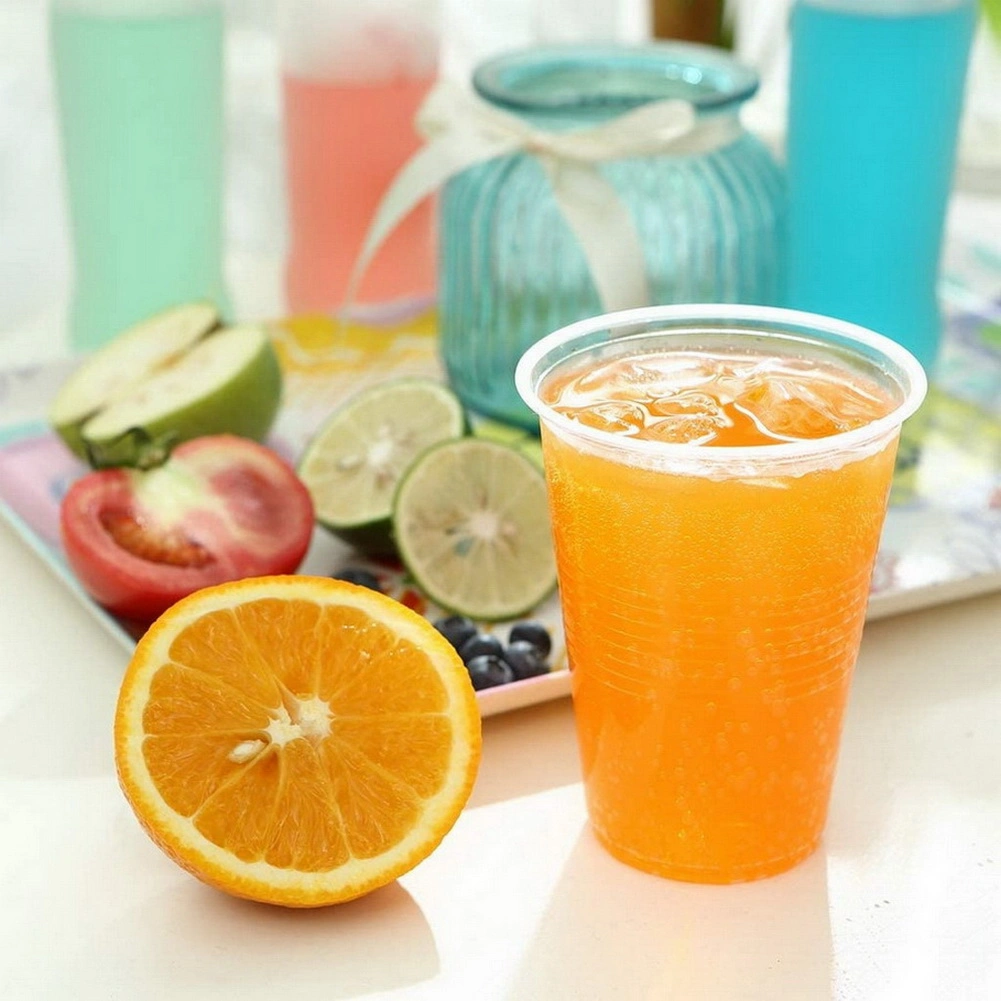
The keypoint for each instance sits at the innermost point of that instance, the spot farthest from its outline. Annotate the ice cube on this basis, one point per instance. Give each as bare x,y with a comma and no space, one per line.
645,379
859,406
687,403
795,409
683,430
613,416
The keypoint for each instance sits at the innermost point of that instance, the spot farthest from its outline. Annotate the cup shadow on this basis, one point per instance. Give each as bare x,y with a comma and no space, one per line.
613,932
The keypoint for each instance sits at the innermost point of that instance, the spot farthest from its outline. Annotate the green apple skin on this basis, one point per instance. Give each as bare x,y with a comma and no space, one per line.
148,343
246,406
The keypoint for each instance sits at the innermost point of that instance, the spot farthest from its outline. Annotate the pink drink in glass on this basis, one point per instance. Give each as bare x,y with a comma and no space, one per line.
345,142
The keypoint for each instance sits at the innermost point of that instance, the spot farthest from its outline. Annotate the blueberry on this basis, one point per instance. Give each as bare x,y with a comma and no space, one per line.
356,575
535,633
488,671
457,629
480,644
525,660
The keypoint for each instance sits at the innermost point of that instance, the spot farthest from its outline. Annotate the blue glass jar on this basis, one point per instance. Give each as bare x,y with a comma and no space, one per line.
511,270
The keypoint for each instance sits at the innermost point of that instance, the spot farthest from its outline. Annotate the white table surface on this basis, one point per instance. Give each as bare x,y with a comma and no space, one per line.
519,902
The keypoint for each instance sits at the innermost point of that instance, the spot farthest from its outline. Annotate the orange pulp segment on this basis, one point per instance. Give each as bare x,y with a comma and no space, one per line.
296,740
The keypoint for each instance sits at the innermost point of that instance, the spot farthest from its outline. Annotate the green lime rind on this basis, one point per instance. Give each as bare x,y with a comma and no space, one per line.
471,524
355,461
374,538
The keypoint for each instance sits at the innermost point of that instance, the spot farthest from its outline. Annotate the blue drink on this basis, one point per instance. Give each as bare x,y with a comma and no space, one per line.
140,100
876,93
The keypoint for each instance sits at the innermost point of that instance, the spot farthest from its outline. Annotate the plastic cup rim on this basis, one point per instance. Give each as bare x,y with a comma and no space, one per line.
815,323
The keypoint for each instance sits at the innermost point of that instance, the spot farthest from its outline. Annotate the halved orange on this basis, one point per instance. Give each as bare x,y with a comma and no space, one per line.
296,740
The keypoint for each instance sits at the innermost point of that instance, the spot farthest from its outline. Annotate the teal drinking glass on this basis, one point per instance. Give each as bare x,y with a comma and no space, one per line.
511,270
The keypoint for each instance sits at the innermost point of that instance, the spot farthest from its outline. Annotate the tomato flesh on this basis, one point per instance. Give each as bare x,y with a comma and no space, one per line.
219,509
148,543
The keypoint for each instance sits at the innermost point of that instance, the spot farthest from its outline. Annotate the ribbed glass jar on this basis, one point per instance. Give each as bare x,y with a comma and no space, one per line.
512,271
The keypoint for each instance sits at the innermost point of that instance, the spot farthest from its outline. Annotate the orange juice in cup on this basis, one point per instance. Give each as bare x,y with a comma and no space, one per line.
718,480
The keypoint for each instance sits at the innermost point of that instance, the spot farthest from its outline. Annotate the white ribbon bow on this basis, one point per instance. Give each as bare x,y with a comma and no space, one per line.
462,130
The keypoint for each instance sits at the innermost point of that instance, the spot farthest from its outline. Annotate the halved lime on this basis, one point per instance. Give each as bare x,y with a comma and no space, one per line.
354,463
472,526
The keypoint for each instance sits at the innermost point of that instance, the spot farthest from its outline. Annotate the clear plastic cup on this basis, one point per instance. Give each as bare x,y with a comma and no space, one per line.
714,597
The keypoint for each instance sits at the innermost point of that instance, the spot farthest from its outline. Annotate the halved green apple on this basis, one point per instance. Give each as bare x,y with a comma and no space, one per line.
179,375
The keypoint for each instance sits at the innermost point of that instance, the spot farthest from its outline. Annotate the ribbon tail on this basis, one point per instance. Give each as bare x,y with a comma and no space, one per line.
419,177
423,174
605,231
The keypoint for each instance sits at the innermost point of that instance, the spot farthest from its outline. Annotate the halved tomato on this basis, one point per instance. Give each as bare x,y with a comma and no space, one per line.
220,508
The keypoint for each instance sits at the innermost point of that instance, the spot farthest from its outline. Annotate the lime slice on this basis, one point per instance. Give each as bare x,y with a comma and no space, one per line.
472,526
179,373
354,463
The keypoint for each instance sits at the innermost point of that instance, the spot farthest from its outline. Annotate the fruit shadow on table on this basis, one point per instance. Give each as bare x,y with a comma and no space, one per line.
268,946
